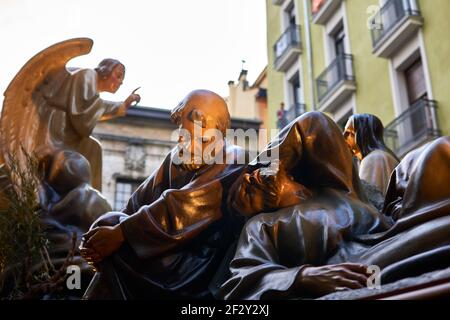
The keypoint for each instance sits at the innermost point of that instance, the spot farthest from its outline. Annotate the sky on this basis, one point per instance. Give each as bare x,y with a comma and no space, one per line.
168,47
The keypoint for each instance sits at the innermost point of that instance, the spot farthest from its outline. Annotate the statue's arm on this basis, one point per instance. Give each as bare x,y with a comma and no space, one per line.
119,109
174,219
256,270
113,110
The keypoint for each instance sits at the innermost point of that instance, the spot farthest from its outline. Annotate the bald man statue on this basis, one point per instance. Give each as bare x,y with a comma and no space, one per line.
173,234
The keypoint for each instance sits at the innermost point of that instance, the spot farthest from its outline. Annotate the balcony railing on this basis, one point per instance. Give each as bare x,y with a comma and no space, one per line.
390,17
287,47
412,128
291,114
340,70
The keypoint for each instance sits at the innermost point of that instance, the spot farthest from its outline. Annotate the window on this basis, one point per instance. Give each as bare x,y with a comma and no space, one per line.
339,42
416,90
339,49
336,84
416,121
415,82
394,24
288,46
292,16
124,190
295,108
295,89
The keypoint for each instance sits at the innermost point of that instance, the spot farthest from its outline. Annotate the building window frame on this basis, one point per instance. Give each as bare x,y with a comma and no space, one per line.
290,39
288,77
336,22
400,29
123,189
410,52
344,93
289,12
286,9
398,63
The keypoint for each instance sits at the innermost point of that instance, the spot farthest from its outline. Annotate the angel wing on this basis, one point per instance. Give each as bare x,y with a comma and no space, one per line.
20,123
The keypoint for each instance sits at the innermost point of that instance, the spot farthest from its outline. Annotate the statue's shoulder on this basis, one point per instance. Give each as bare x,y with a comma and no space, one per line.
83,73
84,78
378,156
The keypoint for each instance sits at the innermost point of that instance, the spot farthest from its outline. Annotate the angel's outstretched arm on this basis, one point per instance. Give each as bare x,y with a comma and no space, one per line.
117,109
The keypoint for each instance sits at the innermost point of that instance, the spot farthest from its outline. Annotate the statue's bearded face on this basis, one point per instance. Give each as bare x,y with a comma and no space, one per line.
202,118
198,143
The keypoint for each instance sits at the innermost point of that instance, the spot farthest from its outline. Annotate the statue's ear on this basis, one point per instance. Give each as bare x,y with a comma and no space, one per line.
198,116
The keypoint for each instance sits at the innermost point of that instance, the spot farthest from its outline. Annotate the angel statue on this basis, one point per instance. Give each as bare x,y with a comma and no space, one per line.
49,112
48,107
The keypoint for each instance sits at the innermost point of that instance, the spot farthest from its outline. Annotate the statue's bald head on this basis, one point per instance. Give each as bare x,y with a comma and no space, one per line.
205,106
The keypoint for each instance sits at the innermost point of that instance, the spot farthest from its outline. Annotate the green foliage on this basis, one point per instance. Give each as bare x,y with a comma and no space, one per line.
23,254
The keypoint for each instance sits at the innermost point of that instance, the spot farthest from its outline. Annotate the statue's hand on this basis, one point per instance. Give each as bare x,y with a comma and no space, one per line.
271,187
100,243
89,255
323,280
133,97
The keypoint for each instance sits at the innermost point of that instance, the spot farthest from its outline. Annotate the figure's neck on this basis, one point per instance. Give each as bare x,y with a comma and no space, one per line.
102,85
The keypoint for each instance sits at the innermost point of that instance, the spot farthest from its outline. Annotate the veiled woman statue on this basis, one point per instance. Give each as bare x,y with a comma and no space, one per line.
364,135
318,233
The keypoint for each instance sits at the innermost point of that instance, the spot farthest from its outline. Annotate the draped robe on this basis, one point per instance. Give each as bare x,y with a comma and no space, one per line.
70,106
376,168
337,224
177,228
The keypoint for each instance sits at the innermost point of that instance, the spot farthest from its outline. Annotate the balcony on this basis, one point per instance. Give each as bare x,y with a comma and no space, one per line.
413,128
396,23
336,83
291,114
278,2
325,11
287,49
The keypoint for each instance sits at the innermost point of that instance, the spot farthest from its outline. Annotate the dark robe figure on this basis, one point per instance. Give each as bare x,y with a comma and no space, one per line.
324,242
68,205
65,193
177,226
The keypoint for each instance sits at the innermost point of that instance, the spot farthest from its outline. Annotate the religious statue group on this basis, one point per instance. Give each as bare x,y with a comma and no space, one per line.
336,202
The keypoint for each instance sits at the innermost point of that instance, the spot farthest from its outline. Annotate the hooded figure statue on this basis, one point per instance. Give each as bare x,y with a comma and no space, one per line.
318,233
